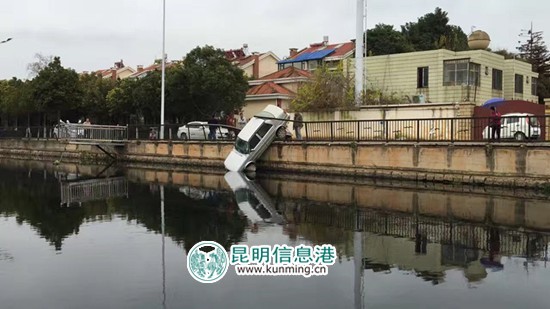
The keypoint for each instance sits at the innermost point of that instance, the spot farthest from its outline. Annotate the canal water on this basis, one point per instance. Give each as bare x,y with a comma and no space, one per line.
75,236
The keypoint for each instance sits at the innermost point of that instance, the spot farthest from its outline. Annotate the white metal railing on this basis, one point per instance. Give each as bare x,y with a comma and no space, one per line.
90,132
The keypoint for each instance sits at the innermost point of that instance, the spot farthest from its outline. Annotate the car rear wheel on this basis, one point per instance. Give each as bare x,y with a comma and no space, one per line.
281,133
183,136
250,168
519,136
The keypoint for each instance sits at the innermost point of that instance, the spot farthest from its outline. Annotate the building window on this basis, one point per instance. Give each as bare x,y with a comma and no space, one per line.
422,77
518,83
534,85
461,72
497,79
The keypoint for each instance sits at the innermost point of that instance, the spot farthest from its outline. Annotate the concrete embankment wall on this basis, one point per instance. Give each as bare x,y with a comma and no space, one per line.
514,165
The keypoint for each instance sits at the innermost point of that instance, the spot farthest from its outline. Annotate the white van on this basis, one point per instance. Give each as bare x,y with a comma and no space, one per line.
256,137
519,126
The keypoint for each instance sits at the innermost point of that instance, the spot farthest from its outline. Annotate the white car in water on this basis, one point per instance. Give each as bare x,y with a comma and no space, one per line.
519,126
256,137
199,130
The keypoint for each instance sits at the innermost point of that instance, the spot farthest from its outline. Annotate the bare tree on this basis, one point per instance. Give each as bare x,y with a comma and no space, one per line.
41,62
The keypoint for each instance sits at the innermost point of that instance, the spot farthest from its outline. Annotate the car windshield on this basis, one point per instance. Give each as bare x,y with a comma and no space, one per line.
242,146
534,121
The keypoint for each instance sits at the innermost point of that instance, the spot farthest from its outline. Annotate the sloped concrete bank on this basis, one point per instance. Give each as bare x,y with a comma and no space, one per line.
504,164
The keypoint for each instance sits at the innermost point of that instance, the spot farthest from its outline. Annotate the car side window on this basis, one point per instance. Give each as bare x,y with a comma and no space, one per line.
254,141
264,128
512,120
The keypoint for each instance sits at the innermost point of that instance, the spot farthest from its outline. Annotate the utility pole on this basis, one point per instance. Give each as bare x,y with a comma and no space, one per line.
359,51
161,136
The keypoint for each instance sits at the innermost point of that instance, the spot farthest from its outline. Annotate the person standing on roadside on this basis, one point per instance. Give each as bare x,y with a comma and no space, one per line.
495,123
297,125
241,121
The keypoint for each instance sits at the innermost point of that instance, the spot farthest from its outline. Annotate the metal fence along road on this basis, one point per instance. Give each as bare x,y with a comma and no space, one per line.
512,128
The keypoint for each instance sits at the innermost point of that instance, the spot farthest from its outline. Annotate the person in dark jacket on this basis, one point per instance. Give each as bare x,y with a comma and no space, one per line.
495,123
213,126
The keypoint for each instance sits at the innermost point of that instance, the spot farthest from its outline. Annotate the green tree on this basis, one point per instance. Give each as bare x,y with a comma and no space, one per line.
177,93
94,97
15,100
384,40
327,90
212,84
432,31
119,102
535,51
56,90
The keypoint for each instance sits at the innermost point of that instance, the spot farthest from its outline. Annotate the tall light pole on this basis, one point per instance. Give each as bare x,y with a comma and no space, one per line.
359,51
163,70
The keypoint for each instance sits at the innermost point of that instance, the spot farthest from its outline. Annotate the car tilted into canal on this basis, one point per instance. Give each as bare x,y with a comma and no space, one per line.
256,137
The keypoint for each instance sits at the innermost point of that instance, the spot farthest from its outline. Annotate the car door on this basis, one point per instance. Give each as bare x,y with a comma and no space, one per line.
259,141
510,126
195,130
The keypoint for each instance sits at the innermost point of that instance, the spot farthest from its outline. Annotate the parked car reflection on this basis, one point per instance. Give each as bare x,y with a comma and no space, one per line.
252,199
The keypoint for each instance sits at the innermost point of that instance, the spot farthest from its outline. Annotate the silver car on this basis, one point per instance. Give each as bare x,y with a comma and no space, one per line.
519,126
199,130
256,137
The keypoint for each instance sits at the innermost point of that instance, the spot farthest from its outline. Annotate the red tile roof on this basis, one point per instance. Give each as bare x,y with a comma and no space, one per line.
152,67
269,88
287,73
234,54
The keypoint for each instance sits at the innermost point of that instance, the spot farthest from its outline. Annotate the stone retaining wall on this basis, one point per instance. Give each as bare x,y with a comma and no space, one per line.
505,164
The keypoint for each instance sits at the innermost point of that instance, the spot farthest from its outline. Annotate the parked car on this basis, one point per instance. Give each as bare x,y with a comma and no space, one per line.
519,126
256,137
253,201
200,130
67,130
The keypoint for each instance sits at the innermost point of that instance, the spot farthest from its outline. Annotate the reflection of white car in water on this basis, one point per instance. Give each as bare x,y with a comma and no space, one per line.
200,130
519,126
252,200
256,137
196,193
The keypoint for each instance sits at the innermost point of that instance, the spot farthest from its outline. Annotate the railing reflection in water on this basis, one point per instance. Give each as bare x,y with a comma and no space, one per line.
93,189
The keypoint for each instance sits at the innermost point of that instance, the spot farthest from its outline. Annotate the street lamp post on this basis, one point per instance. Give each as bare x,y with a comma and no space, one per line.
163,70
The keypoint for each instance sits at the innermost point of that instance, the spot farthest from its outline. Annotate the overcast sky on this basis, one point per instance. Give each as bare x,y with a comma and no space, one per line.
91,35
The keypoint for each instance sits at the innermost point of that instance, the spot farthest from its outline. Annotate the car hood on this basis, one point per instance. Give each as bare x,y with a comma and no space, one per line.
235,161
